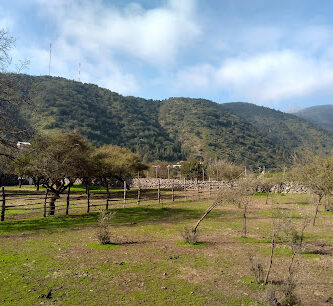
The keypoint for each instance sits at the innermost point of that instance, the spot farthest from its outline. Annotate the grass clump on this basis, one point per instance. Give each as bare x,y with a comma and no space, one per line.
103,230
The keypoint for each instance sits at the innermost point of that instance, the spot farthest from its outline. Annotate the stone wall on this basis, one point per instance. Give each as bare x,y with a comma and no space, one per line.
179,184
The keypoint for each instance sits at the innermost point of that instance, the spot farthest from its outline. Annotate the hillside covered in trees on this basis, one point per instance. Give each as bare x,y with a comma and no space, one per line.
172,129
321,115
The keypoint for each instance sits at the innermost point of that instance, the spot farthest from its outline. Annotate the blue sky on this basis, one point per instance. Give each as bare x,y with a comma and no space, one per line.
273,53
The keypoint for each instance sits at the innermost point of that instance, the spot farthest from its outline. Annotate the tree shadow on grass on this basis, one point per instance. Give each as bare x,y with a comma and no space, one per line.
123,216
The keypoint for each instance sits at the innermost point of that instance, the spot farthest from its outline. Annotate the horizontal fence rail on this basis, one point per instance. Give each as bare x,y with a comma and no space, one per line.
20,205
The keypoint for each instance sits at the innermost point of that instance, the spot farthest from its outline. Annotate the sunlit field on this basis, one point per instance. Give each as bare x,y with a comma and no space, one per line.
58,259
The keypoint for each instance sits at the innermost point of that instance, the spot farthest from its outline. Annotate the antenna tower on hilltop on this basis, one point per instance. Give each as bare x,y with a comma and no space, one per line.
50,59
79,72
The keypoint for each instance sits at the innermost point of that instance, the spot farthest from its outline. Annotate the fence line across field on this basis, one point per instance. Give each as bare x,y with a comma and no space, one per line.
30,204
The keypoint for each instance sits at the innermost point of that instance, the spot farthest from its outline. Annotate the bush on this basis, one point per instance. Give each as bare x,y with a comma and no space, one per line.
288,289
287,295
189,236
103,230
257,269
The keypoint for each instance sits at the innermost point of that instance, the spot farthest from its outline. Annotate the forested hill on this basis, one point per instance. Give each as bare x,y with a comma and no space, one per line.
321,115
172,129
286,131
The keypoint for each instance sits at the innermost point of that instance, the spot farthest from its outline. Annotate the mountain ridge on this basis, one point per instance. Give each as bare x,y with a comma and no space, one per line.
174,128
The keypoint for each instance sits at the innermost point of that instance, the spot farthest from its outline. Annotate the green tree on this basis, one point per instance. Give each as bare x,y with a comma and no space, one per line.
192,169
58,160
114,162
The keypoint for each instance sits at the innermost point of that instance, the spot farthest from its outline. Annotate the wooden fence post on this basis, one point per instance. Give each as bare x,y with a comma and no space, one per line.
173,193
159,192
198,191
139,194
88,198
210,190
107,196
3,206
185,189
125,189
67,203
45,202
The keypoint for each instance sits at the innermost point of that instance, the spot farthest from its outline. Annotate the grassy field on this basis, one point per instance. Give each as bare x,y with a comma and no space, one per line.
57,260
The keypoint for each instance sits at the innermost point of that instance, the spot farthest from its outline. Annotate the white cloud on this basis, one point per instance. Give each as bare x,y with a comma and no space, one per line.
102,37
264,78
154,35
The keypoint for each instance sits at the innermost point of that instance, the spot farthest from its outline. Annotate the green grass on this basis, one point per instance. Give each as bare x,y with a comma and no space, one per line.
252,283
278,251
303,203
97,246
326,213
252,240
148,263
127,215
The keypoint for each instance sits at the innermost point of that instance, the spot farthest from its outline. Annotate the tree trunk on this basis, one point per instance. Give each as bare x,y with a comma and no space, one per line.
291,263
270,259
52,204
45,201
37,184
88,198
317,208
68,197
194,230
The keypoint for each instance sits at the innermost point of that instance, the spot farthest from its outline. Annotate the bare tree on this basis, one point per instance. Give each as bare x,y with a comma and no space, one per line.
238,194
315,173
12,98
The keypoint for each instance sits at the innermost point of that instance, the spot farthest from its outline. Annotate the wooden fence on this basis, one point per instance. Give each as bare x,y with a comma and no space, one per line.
26,204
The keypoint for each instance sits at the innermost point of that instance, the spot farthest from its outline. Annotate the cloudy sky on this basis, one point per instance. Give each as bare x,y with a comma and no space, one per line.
273,53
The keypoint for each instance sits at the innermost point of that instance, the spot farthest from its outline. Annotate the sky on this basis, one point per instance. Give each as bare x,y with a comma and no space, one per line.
277,54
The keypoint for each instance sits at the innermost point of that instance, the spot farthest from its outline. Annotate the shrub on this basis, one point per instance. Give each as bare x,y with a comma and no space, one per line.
189,235
288,289
257,269
103,230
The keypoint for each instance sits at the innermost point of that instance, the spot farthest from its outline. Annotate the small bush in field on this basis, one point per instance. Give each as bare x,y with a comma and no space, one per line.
190,236
103,230
288,289
286,296
257,269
